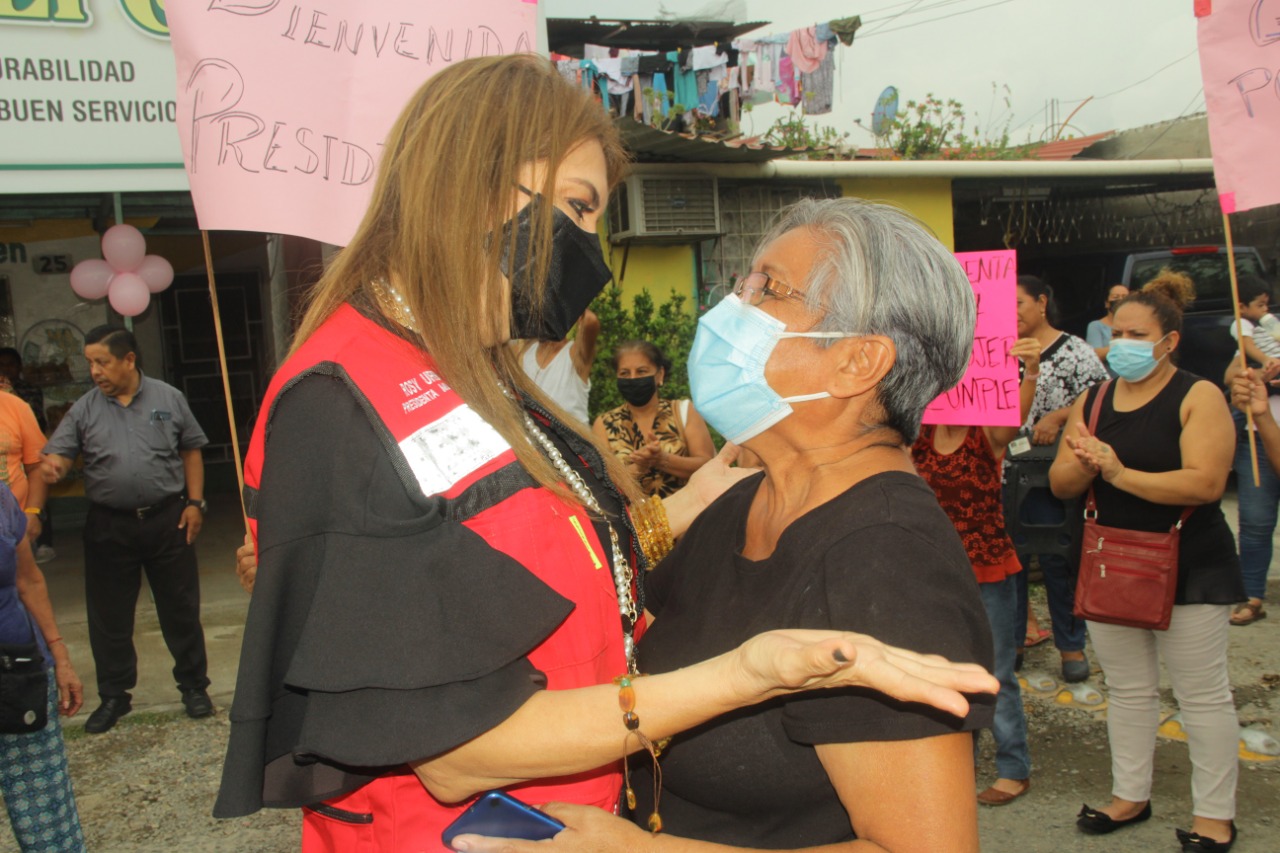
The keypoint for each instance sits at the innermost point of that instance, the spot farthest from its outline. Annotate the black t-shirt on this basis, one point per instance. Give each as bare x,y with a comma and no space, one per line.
1150,439
358,575
881,559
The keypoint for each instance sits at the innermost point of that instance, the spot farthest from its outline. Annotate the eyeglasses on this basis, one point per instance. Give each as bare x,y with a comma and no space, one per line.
753,287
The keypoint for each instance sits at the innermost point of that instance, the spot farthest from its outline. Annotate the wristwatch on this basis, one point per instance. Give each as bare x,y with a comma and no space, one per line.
203,506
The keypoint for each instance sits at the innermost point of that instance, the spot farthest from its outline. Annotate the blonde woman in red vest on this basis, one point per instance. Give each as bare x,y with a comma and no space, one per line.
448,581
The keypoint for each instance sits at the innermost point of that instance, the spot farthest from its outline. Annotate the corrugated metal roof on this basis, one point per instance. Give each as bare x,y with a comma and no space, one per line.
1067,149
568,35
650,145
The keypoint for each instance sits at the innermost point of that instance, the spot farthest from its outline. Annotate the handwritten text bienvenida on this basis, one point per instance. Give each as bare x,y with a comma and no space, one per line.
227,131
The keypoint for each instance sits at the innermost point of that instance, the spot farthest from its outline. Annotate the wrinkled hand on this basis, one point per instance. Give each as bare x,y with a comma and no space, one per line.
54,468
70,690
648,455
716,475
247,563
1095,456
192,520
34,528
787,661
587,830
1046,429
1248,394
1028,351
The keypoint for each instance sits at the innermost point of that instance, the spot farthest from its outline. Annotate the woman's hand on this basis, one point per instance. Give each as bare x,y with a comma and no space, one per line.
787,661
587,830
1096,456
715,477
1248,394
247,563
648,456
34,528
1027,350
70,690
1047,428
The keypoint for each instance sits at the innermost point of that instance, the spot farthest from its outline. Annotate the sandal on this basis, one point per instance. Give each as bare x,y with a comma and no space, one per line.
993,796
1248,613
1037,638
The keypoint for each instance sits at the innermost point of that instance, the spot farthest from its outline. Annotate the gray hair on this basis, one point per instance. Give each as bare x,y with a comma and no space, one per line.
882,272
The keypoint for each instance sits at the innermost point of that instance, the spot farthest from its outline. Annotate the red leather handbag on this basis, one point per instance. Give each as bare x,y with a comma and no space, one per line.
1127,577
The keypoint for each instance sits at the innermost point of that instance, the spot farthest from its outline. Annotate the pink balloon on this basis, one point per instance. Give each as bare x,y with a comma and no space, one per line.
89,279
124,247
129,294
156,272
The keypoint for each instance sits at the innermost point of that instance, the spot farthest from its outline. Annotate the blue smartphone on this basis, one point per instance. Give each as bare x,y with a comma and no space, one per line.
501,815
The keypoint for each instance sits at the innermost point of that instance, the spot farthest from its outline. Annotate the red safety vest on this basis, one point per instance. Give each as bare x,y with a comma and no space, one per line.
449,448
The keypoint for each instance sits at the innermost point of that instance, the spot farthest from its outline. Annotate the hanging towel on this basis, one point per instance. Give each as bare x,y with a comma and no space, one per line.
844,28
786,84
805,50
660,90
817,87
707,57
685,84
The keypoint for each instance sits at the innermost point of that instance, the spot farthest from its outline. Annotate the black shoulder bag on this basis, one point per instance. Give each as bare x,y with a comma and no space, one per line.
24,687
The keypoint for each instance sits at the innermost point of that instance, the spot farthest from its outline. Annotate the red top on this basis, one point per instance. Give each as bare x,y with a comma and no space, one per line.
967,483
446,447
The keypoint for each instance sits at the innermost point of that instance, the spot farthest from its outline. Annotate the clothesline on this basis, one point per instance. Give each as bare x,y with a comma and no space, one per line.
711,82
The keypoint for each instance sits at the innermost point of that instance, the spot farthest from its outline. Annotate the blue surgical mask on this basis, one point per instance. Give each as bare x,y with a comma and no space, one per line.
1133,360
726,369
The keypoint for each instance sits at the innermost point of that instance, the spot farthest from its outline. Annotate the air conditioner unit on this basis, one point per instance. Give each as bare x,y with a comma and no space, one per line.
670,209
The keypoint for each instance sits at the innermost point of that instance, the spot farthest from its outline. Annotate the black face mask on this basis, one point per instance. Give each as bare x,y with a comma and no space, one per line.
638,391
576,275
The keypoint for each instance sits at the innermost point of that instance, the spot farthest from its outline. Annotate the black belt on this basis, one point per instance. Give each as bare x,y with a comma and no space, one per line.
144,512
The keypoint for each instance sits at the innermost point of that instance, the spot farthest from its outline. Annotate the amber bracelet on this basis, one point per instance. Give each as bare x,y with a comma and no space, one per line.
653,529
627,702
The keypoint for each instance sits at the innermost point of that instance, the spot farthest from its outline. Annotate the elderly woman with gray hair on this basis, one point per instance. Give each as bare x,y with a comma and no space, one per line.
853,318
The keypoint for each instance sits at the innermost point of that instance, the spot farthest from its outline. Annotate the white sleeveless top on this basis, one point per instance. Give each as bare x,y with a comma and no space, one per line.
559,380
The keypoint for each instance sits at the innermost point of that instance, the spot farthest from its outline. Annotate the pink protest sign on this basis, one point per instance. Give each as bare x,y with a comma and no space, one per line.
283,108
1240,63
988,393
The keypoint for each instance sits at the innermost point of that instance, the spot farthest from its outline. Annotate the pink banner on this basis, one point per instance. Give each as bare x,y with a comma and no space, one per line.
283,108
1240,63
988,393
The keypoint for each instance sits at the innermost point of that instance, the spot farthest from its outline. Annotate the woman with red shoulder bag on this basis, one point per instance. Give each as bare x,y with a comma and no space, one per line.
1162,445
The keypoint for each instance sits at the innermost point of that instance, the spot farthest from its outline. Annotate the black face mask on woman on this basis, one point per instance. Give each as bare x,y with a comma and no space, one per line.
638,391
575,276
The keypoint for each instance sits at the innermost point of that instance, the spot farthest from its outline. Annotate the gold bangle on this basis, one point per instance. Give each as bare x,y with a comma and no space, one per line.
653,529
33,510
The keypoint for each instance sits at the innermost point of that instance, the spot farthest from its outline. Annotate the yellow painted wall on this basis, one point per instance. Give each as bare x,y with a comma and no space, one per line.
929,199
658,269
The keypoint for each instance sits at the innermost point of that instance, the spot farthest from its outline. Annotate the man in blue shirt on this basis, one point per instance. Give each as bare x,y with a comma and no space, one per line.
144,477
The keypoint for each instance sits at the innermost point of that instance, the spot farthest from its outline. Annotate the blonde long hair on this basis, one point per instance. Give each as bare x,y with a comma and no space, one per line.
445,184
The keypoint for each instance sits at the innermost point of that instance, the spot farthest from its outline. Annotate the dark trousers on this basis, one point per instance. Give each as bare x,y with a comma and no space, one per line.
118,548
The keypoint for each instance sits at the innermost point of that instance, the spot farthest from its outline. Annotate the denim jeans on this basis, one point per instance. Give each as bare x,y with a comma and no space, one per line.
1010,726
1257,514
1041,507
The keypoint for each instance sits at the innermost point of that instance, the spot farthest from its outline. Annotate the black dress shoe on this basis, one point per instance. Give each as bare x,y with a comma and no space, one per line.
1195,843
1095,822
197,703
111,710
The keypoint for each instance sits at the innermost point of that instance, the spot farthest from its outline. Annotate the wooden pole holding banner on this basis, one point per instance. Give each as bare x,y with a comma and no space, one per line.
1244,362
226,377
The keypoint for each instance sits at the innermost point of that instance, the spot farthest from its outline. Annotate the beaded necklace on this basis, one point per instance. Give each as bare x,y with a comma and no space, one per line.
623,574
